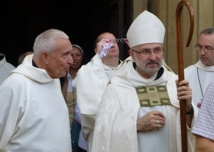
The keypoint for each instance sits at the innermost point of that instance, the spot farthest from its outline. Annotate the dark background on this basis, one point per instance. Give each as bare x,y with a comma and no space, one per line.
82,20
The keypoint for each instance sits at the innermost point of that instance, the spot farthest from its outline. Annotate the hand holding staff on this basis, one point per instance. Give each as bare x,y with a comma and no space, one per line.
180,63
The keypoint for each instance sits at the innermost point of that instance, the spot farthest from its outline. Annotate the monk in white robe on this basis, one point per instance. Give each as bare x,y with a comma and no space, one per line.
201,74
5,68
91,81
34,116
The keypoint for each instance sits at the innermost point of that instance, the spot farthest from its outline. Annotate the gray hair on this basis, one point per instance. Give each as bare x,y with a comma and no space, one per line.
207,31
46,40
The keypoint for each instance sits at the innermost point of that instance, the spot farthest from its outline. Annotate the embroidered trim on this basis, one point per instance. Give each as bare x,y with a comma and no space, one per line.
153,96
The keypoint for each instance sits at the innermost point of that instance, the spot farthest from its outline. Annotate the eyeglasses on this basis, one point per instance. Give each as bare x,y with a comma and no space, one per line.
148,52
120,40
113,41
198,47
117,40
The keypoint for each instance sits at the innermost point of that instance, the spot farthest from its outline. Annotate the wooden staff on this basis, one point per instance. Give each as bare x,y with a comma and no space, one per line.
181,66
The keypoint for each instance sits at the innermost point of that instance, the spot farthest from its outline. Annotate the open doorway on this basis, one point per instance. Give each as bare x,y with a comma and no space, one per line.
82,20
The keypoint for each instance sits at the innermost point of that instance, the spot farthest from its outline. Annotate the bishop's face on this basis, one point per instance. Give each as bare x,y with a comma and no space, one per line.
148,58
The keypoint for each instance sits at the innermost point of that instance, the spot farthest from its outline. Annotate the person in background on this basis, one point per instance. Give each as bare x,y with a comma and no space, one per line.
201,73
22,56
204,124
139,109
68,91
92,79
34,116
5,68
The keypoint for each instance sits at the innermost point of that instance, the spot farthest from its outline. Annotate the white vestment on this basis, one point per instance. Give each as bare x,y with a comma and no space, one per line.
199,77
5,68
34,116
91,80
115,129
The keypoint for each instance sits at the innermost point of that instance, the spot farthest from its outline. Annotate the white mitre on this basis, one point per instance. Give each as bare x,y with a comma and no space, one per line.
146,28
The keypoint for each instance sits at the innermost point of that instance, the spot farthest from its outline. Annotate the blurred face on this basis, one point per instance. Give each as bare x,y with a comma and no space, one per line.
148,58
205,48
110,38
77,56
60,59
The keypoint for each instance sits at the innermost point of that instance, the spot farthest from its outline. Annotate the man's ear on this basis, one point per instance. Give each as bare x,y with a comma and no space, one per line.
45,57
132,55
130,52
95,50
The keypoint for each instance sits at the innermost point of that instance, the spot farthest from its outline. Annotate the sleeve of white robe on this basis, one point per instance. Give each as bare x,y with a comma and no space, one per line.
11,111
91,81
114,129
